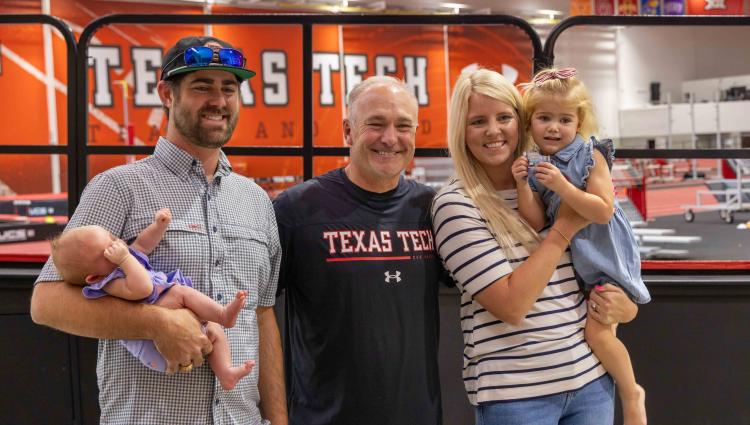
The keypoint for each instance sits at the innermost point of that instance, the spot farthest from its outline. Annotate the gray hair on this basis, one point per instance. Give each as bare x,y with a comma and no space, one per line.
376,80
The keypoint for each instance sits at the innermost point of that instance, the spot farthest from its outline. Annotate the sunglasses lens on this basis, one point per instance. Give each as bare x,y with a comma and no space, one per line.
198,56
231,57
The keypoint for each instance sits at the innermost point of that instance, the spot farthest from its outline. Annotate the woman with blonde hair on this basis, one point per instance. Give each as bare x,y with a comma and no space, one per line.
522,313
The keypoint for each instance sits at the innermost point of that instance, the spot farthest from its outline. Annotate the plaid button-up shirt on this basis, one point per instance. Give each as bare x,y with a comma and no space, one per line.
223,235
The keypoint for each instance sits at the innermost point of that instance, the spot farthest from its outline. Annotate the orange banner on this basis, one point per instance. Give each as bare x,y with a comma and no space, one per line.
581,7
714,7
124,64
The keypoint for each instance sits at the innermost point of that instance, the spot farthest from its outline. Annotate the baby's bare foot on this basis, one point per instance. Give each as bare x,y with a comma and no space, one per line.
634,407
232,310
229,378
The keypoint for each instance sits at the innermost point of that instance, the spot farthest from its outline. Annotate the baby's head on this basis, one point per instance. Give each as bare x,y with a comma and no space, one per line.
78,254
557,107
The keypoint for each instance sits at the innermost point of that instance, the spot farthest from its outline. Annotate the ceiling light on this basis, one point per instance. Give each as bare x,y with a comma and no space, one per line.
454,6
549,13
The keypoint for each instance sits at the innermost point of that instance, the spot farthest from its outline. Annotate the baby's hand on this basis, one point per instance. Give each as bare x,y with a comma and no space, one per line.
550,176
520,170
116,252
163,216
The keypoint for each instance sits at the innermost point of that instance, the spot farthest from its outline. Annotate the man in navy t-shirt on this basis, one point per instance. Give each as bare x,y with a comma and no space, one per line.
361,276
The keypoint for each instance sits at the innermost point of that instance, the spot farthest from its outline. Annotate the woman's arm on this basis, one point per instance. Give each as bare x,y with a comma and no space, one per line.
511,297
596,203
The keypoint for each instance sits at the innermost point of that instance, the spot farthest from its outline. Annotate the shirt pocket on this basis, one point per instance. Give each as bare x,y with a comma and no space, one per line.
248,260
185,247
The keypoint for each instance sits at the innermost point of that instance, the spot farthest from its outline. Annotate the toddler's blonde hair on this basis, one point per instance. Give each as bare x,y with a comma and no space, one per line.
548,82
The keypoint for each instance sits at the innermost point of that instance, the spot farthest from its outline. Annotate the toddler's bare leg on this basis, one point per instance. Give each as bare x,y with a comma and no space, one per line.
220,359
203,306
614,356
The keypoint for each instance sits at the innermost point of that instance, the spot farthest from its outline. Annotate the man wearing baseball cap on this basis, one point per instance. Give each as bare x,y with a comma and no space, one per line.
223,235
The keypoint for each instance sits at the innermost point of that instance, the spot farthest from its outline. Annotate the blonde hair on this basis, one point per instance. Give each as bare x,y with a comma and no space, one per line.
66,253
506,226
547,83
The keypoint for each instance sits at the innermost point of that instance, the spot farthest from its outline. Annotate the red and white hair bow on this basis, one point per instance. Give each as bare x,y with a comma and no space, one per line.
560,74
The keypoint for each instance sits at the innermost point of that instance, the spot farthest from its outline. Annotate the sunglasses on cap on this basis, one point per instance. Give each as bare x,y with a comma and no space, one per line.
207,57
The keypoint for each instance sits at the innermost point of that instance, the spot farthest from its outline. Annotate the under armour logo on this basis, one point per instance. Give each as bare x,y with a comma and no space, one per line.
715,4
396,276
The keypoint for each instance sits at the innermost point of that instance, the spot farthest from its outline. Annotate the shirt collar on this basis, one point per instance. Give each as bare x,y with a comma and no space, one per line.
566,153
181,162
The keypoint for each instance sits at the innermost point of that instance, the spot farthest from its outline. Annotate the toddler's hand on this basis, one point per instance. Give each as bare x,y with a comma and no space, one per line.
520,170
163,216
116,252
550,176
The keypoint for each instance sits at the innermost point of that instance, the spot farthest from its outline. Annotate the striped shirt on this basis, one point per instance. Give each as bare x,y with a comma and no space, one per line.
223,236
546,354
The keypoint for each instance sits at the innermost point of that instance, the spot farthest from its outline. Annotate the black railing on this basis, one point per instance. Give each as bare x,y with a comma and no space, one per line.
71,150
308,151
78,150
71,147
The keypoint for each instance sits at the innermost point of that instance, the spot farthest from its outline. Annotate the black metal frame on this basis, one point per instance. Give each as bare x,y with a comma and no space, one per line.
667,284
78,150
71,147
308,151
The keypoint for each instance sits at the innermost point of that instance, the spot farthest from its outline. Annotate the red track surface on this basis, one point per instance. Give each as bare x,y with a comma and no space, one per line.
668,200
26,252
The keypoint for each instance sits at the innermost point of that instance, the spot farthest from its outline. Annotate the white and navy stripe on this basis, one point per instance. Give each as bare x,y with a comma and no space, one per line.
546,354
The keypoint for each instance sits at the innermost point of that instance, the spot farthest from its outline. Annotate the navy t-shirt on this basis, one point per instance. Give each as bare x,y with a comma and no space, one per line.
361,279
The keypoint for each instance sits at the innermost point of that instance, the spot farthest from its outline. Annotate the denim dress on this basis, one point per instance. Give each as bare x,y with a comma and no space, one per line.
601,253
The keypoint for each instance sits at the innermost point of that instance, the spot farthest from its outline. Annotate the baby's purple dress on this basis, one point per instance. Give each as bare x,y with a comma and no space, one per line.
143,349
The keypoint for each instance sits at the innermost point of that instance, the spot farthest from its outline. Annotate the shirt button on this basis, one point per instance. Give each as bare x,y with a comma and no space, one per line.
209,197
216,402
216,229
218,262
218,297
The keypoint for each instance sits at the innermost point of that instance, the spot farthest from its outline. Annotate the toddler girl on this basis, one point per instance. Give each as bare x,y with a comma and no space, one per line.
559,118
92,256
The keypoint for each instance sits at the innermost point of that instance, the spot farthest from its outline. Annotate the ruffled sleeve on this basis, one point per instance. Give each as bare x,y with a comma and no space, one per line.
606,147
96,289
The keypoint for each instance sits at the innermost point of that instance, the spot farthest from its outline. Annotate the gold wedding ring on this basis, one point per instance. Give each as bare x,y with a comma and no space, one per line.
187,368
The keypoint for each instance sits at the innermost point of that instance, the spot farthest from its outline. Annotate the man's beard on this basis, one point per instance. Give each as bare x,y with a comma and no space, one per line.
190,127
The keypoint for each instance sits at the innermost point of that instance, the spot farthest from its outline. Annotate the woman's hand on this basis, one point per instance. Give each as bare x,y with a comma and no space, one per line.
568,222
520,171
608,304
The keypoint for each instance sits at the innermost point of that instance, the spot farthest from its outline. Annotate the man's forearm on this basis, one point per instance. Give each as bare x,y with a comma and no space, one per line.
63,307
271,373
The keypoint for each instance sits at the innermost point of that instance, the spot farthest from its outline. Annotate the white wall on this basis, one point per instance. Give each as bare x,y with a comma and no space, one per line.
592,51
619,64
671,55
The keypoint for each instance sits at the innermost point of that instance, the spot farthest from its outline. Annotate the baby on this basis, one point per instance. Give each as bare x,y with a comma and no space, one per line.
92,256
